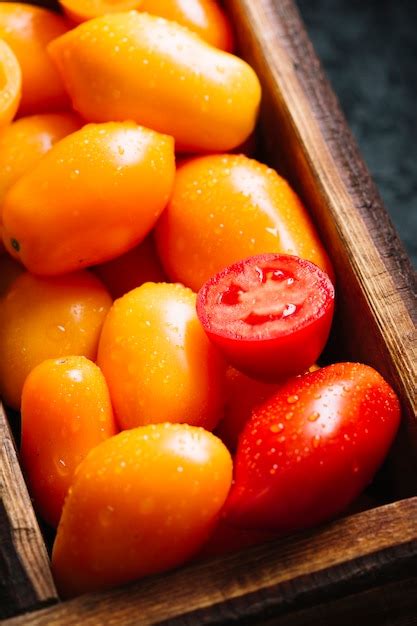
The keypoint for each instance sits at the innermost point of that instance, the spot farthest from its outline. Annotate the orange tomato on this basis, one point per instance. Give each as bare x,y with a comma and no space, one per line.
157,360
160,74
82,10
42,318
10,84
66,411
94,195
228,207
28,29
9,270
204,17
132,269
142,502
24,142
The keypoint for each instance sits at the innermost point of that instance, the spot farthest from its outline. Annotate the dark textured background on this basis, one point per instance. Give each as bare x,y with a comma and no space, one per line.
369,51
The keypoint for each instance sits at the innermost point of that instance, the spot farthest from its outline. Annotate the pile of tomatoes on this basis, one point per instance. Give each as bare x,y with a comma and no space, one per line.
164,298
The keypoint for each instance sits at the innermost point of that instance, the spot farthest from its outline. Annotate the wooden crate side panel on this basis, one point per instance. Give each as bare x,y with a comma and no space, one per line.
378,544
25,577
307,135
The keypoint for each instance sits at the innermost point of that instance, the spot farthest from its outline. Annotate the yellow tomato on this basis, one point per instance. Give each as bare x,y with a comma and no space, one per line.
94,195
160,74
157,360
66,411
225,208
28,29
25,141
142,502
42,318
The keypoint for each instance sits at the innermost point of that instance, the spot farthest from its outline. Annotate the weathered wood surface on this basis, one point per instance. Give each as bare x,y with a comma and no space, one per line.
360,566
25,578
372,548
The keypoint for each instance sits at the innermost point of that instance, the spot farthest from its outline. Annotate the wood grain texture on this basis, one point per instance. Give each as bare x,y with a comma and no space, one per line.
344,570
349,555
306,135
25,578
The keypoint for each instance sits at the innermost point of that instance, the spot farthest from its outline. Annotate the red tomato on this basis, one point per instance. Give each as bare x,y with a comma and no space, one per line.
243,395
310,449
269,314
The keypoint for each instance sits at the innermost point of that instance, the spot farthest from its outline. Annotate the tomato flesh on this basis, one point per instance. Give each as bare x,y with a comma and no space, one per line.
270,314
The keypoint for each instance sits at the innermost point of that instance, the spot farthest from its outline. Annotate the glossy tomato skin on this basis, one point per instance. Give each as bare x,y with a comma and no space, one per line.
93,196
132,269
11,84
160,74
309,451
26,140
81,10
43,318
28,30
66,411
157,360
270,314
204,17
142,502
243,395
225,208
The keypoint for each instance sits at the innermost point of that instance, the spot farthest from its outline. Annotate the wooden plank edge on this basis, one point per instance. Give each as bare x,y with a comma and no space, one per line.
381,291
377,543
26,581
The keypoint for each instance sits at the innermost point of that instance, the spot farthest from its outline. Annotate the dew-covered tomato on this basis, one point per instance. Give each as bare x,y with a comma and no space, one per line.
93,196
135,66
309,450
204,17
269,314
157,360
28,29
243,394
132,269
45,318
25,141
82,10
226,207
10,84
66,411
142,502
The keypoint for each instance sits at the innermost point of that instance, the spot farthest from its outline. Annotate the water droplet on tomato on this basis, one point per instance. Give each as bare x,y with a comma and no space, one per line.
292,399
105,516
61,467
313,417
289,415
275,428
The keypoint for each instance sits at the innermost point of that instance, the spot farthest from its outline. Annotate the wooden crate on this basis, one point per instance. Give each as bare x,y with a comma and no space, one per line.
361,566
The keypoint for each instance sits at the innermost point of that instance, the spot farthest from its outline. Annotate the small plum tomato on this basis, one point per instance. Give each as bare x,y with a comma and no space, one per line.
142,502
204,17
82,10
136,66
28,29
46,318
10,84
132,269
66,411
226,207
26,140
269,314
96,194
243,395
157,360
309,450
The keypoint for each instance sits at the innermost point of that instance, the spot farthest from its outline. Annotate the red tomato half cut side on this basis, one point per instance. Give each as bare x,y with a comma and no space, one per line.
270,314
